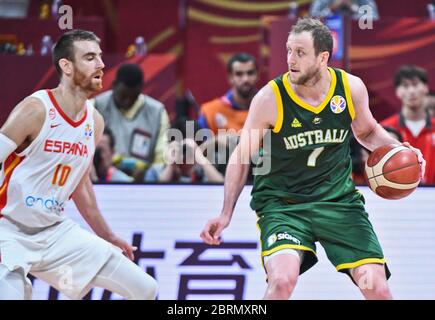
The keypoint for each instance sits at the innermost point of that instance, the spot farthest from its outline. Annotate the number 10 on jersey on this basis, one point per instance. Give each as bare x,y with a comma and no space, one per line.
61,175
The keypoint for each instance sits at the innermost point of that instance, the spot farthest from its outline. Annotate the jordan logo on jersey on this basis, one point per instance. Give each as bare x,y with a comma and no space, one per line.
338,104
296,123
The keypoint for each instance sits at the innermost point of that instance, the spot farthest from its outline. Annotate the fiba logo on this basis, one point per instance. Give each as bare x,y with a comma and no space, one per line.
338,104
88,131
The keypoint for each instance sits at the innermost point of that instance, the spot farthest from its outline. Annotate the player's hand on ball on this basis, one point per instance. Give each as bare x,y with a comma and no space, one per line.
127,249
419,155
213,229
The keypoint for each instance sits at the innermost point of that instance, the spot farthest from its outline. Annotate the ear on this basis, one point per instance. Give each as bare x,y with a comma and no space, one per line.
399,93
66,66
324,56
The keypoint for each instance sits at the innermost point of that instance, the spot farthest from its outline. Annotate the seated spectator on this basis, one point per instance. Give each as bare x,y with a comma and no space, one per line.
413,122
326,8
138,122
104,170
186,164
230,110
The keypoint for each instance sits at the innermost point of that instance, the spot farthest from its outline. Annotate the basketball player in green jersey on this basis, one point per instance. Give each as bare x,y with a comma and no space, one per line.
308,195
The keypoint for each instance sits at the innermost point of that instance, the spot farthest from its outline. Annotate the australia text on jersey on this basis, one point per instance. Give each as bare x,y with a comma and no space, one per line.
315,137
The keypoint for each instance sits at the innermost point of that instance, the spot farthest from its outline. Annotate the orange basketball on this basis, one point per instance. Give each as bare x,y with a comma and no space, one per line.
392,171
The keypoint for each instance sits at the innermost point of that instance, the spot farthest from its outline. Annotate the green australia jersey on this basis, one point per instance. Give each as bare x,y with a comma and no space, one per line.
309,148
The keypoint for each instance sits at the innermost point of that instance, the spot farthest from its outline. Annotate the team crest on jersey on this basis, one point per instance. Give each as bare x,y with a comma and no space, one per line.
338,104
52,113
88,131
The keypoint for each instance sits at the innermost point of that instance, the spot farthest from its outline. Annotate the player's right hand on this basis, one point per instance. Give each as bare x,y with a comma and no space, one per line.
213,229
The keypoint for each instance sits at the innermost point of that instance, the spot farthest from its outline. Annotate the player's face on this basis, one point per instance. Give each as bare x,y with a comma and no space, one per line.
243,78
412,92
303,64
88,66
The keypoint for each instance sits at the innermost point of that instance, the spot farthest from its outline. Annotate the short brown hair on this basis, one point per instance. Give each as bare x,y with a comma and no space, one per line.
322,38
64,47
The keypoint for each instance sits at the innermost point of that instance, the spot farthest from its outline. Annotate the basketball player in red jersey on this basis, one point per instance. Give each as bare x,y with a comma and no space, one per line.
46,147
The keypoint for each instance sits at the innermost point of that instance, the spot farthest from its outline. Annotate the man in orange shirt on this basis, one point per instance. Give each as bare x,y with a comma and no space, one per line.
414,122
230,110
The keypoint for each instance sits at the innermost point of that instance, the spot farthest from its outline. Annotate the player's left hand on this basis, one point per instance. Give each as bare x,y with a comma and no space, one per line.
126,248
419,155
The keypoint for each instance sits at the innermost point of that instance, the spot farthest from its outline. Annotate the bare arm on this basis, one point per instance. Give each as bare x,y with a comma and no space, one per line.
262,115
365,128
86,202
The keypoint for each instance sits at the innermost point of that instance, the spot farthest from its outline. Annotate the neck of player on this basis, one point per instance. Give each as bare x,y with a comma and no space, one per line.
71,99
316,88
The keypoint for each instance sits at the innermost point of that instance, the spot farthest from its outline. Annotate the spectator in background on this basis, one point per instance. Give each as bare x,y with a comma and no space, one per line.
326,8
430,103
104,170
413,122
187,164
138,122
230,110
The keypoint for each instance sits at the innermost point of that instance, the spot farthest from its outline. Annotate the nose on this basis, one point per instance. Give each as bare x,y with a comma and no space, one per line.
100,64
291,58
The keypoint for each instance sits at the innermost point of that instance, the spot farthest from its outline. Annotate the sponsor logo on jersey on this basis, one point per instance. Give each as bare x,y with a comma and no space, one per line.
308,138
282,236
338,104
52,113
271,240
317,120
54,125
88,131
296,123
73,148
47,204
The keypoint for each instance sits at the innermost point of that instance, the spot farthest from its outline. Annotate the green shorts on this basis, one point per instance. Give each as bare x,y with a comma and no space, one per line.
342,228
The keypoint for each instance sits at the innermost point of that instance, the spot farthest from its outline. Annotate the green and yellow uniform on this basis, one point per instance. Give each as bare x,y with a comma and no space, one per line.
308,196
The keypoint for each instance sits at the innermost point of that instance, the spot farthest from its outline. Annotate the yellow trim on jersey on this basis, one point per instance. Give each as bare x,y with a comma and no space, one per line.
305,105
348,94
286,246
359,263
261,242
279,106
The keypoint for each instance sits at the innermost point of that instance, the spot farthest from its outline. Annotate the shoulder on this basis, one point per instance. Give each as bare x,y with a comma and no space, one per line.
101,100
212,105
31,108
153,103
391,121
356,85
98,124
266,96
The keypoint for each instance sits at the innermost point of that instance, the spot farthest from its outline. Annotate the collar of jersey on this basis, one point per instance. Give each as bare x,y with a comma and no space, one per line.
302,103
73,123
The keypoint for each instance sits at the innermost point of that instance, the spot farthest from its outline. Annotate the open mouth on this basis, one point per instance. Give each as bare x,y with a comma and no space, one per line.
98,76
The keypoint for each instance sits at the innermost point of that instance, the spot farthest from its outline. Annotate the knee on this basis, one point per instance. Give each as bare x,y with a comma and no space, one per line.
283,285
146,288
380,290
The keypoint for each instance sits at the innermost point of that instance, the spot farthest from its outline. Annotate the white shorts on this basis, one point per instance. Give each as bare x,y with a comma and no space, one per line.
65,256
